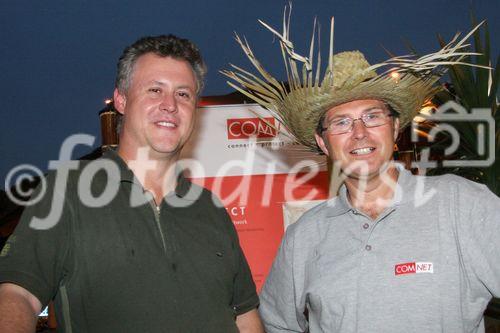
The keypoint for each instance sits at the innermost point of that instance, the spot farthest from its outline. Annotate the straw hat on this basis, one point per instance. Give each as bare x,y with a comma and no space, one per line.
299,105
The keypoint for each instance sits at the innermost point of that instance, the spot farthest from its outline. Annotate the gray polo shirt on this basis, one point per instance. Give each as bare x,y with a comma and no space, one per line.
429,263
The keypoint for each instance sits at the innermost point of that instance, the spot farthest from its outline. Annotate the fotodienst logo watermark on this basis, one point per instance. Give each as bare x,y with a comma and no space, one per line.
444,118
298,173
61,168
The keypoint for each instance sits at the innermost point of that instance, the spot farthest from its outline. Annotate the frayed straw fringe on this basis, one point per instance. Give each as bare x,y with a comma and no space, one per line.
300,104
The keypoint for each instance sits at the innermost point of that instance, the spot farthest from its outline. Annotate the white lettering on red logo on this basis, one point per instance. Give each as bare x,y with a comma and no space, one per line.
414,268
244,128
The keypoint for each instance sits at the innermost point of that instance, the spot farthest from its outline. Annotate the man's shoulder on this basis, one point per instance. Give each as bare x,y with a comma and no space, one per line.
200,200
450,183
458,191
317,218
74,168
318,211
62,174
199,195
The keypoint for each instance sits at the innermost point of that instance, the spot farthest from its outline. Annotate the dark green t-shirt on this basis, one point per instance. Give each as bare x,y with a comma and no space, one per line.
113,266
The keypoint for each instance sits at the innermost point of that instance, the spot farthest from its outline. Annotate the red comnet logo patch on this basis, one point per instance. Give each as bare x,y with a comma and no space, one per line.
414,268
244,128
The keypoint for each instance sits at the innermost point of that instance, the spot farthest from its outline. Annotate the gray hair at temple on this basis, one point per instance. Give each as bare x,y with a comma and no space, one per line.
163,46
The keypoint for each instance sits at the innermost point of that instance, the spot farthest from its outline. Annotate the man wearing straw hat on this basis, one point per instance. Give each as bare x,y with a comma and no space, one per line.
392,252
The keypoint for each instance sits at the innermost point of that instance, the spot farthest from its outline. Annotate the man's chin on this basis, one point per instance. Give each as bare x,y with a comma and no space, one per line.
166,150
365,173
360,170
361,176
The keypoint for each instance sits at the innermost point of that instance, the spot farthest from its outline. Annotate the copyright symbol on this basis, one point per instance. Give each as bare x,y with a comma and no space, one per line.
17,176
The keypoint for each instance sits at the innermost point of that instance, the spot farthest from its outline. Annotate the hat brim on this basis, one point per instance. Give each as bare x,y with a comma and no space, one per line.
303,108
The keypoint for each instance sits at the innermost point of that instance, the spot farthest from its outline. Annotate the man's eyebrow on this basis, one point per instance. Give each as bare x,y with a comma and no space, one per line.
368,109
154,83
375,107
185,86
182,86
157,82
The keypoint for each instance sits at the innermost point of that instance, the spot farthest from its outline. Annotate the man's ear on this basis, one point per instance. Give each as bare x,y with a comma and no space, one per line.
321,143
119,101
396,128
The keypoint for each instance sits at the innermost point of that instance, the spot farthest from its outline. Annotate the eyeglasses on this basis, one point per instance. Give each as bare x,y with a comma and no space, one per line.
343,125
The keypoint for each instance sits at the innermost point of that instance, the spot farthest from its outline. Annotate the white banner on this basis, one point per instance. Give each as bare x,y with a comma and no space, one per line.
237,140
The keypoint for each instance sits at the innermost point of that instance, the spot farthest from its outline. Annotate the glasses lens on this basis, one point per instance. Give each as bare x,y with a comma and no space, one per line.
344,125
373,119
341,125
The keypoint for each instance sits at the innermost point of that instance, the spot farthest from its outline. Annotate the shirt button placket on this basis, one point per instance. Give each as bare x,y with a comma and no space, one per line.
366,227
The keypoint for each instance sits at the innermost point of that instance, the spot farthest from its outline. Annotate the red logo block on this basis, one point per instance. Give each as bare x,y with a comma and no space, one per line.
414,268
244,128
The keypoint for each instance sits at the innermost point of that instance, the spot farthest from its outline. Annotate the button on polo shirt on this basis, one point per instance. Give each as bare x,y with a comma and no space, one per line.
368,230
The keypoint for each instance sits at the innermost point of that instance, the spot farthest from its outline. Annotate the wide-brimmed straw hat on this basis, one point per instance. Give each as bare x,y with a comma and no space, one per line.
406,83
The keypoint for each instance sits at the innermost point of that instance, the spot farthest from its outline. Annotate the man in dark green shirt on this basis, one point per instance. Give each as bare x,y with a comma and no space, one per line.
125,243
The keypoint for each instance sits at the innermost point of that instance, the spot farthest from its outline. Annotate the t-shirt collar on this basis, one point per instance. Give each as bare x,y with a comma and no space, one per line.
182,189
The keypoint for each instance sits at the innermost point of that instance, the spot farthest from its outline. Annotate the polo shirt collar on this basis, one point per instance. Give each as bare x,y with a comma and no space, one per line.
406,184
126,175
338,205
182,188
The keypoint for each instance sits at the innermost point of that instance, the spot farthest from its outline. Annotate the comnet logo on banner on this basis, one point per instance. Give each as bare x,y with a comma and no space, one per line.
245,128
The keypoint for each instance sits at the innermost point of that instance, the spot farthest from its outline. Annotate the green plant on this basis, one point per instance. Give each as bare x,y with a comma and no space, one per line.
474,87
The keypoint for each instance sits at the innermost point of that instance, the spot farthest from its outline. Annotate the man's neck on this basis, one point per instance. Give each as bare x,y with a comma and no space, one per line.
156,174
372,196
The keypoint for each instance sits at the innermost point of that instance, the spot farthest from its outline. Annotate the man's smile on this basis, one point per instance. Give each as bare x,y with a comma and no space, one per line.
362,151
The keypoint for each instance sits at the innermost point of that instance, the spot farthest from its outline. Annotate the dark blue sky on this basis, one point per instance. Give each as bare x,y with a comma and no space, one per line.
58,58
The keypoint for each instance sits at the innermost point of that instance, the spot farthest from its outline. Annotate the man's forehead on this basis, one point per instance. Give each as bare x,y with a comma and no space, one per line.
152,60
356,106
152,67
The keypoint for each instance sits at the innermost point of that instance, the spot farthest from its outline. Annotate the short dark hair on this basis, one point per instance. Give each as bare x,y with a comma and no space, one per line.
163,46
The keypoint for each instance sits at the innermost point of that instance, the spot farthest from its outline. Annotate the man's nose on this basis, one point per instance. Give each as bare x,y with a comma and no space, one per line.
358,129
168,103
